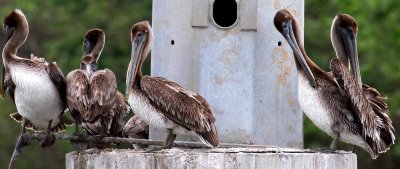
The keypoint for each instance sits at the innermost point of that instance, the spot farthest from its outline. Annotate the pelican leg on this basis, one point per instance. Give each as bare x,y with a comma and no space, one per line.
354,149
50,138
332,147
170,139
103,132
78,144
23,130
168,143
75,114
335,142
76,131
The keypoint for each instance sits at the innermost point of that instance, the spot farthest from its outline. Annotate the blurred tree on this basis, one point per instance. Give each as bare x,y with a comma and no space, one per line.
56,33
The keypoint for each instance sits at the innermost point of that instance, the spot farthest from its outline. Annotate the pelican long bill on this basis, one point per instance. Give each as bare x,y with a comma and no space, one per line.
137,48
350,45
291,39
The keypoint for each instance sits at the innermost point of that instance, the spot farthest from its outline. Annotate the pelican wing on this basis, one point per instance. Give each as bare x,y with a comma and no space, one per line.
182,106
8,85
93,127
77,92
119,111
377,100
136,128
60,127
103,88
115,122
58,79
379,105
370,107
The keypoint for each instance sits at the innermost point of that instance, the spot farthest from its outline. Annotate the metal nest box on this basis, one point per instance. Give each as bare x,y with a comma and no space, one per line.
230,52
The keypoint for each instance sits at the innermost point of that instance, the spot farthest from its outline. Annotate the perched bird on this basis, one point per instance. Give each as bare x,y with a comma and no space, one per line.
346,71
92,95
136,128
343,112
164,104
36,87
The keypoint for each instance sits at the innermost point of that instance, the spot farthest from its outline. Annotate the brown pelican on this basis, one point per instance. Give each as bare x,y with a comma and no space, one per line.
343,34
342,112
92,94
136,128
164,104
36,87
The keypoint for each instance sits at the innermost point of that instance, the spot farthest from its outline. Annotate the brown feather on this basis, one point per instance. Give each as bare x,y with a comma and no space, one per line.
115,122
103,88
58,79
371,108
93,127
8,86
77,91
136,128
60,127
119,111
182,106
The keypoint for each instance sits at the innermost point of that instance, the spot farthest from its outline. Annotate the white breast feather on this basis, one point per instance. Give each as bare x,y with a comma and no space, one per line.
313,108
36,97
318,114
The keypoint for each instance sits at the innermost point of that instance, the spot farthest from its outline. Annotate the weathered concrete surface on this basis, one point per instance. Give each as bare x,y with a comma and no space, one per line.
231,158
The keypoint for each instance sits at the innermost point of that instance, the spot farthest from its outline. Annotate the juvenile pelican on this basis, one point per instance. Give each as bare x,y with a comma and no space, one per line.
346,71
341,112
164,104
36,87
92,94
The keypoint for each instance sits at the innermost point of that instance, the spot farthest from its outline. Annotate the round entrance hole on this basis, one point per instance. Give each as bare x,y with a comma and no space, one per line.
225,12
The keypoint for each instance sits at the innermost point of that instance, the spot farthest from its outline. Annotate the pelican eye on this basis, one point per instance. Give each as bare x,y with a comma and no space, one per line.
350,29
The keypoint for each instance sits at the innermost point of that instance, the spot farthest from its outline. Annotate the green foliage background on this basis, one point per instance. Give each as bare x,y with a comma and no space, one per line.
57,29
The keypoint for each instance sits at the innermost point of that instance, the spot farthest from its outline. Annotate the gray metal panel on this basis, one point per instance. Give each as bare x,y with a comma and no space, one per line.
276,107
172,21
200,13
248,79
248,14
224,63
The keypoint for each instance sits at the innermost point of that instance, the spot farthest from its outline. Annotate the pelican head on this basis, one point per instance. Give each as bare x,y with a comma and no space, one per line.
344,39
141,38
93,43
288,26
89,64
16,30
